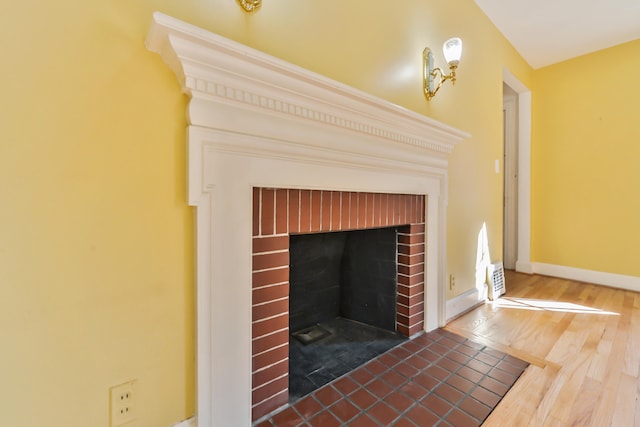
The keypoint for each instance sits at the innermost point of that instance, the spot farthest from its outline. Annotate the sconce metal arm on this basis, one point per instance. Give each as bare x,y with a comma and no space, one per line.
435,73
250,5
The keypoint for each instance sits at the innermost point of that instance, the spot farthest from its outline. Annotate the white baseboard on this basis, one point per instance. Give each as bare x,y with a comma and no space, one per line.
464,302
630,283
190,422
524,267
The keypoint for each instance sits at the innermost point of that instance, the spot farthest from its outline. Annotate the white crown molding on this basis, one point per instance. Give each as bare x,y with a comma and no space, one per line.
219,70
257,121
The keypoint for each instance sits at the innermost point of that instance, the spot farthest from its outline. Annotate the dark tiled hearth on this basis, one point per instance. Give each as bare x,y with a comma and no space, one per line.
349,345
436,379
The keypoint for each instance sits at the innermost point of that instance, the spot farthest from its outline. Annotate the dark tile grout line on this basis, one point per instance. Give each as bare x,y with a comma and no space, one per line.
418,344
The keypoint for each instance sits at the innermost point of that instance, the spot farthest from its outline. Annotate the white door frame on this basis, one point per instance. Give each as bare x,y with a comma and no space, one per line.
523,263
510,193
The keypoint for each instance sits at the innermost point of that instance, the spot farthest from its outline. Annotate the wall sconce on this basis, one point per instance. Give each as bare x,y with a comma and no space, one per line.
250,5
452,51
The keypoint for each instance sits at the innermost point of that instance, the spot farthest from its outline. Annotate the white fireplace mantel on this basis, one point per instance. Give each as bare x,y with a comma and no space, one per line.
257,121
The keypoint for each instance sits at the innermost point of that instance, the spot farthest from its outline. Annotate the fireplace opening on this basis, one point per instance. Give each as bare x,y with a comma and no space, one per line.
285,217
342,303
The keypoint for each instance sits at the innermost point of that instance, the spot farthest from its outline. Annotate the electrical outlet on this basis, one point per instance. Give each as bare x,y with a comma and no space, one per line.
452,282
123,399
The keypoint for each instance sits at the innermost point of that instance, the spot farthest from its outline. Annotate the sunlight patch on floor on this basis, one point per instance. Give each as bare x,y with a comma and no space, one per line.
548,305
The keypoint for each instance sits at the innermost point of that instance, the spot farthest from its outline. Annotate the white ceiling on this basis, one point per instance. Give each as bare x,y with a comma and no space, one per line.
550,31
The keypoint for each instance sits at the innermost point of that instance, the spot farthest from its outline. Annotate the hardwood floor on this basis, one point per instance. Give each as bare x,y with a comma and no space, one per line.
583,343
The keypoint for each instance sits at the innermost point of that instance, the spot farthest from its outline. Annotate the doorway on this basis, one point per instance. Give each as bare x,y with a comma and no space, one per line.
510,192
519,242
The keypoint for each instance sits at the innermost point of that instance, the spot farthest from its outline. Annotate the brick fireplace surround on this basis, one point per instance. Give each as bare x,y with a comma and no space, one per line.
277,213
255,121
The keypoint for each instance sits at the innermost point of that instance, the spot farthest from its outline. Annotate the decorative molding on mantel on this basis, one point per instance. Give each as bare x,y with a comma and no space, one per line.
258,121
217,69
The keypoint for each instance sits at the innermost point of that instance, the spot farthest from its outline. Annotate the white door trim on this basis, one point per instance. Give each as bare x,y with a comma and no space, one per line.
523,264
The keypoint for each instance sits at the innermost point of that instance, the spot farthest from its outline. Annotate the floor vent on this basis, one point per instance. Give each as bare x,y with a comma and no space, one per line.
496,285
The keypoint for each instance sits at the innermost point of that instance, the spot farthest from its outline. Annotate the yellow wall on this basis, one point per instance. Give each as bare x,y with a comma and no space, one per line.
585,151
96,240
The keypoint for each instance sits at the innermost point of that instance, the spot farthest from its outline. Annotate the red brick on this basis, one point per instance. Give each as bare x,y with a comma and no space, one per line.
270,357
410,280
410,259
270,244
270,293
403,208
325,212
411,249
270,309
270,260
270,373
344,220
270,277
410,301
415,328
410,239
294,211
362,210
267,212
403,329
416,309
411,210
282,212
404,290
402,310
370,210
411,270
316,207
353,213
263,408
402,320
271,389
417,228
418,209
305,211
269,326
384,200
409,311
336,214
408,320
258,345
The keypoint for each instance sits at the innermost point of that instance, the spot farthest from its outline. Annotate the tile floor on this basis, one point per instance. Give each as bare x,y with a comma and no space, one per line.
435,379
349,345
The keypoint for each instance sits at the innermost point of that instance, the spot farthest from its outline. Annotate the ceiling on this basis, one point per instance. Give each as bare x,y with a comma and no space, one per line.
550,31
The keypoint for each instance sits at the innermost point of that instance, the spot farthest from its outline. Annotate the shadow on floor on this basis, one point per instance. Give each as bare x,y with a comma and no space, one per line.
348,345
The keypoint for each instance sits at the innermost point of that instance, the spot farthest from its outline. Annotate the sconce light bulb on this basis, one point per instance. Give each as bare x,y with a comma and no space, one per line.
452,50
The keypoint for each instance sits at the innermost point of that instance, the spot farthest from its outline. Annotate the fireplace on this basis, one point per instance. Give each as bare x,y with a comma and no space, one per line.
257,122
281,213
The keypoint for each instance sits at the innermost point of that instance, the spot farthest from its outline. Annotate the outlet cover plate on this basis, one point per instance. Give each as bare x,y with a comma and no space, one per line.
122,403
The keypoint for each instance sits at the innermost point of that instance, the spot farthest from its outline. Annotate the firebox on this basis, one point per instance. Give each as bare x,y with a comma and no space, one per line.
342,303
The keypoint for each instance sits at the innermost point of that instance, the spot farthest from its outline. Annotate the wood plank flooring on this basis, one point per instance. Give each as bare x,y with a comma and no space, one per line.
583,343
